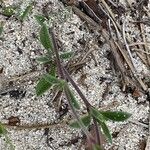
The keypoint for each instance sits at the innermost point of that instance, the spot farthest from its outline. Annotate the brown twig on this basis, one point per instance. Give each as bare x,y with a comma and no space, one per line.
145,45
113,47
36,126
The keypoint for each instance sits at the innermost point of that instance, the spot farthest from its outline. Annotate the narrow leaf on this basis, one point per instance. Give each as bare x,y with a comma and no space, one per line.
97,115
25,13
51,79
53,70
45,38
40,19
66,55
71,97
43,60
116,115
59,83
106,131
86,120
42,86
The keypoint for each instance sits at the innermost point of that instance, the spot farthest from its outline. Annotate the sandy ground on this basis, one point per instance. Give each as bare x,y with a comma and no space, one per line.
18,79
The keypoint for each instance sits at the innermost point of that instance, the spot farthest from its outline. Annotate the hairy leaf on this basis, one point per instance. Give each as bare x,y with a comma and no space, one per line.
42,86
86,120
40,19
116,115
25,13
66,55
71,97
45,38
53,70
51,79
101,120
97,115
43,60
105,131
54,81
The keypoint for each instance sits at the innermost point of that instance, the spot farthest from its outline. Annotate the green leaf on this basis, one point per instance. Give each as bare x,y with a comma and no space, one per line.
96,147
43,60
8,11
71,97
25,13
86,120
42,86
53,70
97,115
2,129
101,120
105,131
45,38
40,19
116,115
52,79
66,55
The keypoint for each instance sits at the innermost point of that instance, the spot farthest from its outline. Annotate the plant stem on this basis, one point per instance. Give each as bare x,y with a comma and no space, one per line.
97,132
88,105
61,73
56,53
75,114
62,70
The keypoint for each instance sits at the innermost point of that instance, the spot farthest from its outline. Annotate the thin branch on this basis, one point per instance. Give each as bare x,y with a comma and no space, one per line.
85,17
110,12
56,53
139,123
114,23
145,46
141,50
76,116
97,131
131,67
91,12
35,126
62,71
139,43
88,105
127,46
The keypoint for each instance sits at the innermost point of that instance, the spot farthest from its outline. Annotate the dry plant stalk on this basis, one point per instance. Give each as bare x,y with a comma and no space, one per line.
114,46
